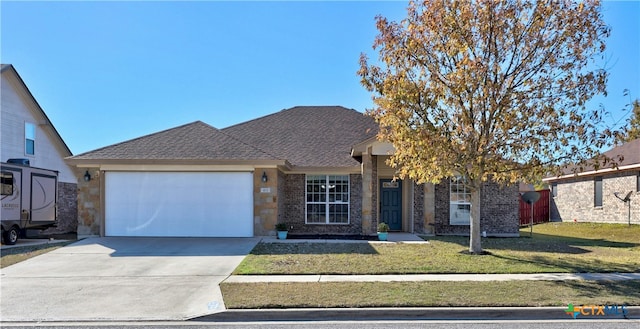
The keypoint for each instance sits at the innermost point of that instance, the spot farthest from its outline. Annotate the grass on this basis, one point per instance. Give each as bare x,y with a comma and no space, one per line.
429,294
555,247
16,255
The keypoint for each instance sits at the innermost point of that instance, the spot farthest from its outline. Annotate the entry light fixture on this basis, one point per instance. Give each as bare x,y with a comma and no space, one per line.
87,176
264,177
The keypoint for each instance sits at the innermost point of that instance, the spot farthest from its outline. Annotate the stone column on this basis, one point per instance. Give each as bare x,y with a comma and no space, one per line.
368,191
265,201
89,203
429,208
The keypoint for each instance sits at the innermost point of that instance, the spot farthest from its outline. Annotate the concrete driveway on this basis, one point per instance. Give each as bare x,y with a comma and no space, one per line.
122,279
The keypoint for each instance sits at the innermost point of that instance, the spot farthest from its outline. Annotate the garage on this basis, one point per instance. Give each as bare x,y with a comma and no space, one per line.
179,204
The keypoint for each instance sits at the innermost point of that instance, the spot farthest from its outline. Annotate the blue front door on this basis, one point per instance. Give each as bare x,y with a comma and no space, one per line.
391,203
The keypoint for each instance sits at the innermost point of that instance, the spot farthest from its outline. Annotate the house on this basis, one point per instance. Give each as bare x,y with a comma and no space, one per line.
319,169
27,133
595,195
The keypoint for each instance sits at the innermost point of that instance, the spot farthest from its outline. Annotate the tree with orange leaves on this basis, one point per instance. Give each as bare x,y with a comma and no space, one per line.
489,90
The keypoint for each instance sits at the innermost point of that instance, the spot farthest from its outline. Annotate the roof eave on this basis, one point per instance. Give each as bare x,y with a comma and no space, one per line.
323,170
57,135
208,162
593,172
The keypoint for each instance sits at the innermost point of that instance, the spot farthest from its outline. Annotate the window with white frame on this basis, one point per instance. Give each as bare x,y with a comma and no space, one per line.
327,199
459,202
29,138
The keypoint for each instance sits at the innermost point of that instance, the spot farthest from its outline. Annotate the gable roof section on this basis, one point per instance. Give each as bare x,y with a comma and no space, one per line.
8,68
309,136
630,152
193,141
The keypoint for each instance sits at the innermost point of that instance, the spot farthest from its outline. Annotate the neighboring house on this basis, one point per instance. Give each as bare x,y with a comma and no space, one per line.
319,169
27,133
590,196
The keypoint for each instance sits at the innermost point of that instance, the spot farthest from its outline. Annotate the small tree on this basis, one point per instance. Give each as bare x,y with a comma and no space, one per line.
632,130
488,90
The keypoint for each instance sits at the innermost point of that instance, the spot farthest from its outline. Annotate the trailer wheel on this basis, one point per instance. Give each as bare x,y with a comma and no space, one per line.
11,236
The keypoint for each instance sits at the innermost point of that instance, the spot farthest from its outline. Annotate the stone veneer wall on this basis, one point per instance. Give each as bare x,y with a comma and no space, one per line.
575,199
499,213
374,197
295,203
265,201
429,210
89,203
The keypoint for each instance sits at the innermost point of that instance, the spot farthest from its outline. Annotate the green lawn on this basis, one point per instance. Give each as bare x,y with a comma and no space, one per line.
429,294
555,247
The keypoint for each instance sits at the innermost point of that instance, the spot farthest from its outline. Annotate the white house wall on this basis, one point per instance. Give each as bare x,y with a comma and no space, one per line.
18,108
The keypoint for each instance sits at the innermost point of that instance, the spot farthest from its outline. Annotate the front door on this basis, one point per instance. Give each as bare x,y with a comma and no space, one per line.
391,203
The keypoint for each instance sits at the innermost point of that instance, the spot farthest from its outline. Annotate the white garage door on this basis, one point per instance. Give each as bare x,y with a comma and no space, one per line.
179,204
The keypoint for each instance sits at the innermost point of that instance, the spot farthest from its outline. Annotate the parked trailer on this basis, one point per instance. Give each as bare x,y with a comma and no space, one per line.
29,198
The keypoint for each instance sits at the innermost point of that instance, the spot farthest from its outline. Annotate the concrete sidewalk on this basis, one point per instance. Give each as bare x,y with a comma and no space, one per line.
433,277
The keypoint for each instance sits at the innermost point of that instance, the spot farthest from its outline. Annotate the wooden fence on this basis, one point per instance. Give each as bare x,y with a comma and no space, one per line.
540,210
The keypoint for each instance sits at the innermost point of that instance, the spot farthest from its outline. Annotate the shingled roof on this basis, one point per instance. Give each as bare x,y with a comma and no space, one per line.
626,156
309,136
303,136
630,151
193,141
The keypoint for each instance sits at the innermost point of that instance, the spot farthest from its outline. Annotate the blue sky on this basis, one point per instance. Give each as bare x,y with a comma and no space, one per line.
105,72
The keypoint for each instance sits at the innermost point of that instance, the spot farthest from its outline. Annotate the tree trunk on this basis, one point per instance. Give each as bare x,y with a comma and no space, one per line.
475,245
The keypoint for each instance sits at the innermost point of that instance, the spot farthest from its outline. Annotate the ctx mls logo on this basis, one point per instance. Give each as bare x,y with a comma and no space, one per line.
596,310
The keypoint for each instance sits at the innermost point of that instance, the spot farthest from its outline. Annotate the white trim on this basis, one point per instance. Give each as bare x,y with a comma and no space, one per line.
327,203
323,170
457,204
33,126
177,168
377,147
594,172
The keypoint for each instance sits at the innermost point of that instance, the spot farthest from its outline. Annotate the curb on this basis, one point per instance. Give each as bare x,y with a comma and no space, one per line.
429,313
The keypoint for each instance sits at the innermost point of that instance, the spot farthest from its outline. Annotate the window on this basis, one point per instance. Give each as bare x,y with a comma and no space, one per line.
597,192
327,199
460,202
29,138
638,182
554,189
6,183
